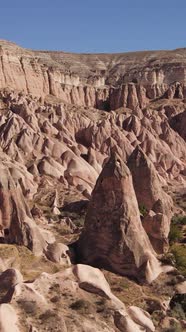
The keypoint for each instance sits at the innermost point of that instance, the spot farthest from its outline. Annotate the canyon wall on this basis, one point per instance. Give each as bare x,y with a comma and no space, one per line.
101,81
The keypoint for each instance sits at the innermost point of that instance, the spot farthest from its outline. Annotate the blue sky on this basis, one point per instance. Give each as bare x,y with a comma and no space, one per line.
94,26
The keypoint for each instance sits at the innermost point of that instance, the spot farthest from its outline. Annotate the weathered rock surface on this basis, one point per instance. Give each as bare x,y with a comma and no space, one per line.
58,253
75,153
157,205
47,295
16,223
93,280
181,288
135,319
9,279
104,81
178,123
8,319
113,236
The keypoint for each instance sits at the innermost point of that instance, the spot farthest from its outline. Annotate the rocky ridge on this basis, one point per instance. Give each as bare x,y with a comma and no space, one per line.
103,81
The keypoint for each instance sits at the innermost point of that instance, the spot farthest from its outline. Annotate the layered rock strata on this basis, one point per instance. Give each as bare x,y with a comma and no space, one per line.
103,81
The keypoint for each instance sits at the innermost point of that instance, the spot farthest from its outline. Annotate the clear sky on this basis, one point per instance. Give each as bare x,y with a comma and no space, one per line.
94,25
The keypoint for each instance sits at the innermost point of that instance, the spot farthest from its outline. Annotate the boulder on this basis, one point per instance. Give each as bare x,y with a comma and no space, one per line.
93,280
141,317
135,320
58,253
10,278
8,319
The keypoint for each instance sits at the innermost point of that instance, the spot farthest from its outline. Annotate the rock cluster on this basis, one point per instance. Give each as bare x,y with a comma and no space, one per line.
17,225
52,141
32,297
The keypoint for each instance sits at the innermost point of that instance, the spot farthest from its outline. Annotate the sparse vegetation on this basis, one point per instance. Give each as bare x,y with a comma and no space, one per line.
179,252
77,218
157,316
143,210
11,254
178,305
81,305
168,259
179,220
175,233
174,328
48,314
176,228
32,266
126,290
30,307
62,229
178,311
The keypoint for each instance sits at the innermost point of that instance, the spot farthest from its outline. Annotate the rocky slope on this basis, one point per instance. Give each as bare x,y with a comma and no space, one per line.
104,128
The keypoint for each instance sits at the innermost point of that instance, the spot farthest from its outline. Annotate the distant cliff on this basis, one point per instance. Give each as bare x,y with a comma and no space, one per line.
103,81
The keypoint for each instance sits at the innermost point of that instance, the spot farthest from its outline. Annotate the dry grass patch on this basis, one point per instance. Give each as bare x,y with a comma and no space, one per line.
21,258
32,266
10,256
126,290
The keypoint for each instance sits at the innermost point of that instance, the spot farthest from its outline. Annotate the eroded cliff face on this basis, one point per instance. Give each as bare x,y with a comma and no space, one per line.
102,81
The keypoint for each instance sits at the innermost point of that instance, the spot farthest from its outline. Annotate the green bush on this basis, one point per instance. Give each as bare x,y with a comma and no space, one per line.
179,252
143,210
178,312
179,220
175,233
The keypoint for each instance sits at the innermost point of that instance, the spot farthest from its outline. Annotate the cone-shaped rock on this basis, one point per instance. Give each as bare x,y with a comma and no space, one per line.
16,224
151,198
113,236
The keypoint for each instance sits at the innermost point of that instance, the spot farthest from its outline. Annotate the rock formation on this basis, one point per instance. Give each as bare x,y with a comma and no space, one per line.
16,223
113,236
157,205
178,123
58,253
103,81
8,319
